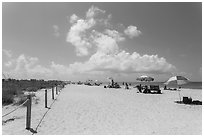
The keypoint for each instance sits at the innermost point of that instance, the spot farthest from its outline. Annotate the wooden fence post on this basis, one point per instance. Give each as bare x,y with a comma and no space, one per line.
28,116
53,93
56,90
46,98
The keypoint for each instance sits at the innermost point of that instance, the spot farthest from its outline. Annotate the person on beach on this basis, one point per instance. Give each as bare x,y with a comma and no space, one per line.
165,88
139,87
126,86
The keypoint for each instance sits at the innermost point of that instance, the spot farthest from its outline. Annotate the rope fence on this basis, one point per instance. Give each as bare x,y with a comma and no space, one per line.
28,103
15,108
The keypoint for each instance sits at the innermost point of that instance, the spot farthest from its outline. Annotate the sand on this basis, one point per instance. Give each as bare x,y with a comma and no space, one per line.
93,110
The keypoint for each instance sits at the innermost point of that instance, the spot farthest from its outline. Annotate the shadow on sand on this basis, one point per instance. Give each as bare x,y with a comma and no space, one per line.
195,102
32,130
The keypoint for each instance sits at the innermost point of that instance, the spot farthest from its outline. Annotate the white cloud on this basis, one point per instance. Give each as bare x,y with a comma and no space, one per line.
8,64
56,30
108,57
114,34
80,35
93,11
59,69
132,31
8,53
200,71
77,36
27,67
105,44
124,62
73,18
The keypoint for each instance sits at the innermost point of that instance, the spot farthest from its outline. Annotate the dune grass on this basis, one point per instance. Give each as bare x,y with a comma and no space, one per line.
13,90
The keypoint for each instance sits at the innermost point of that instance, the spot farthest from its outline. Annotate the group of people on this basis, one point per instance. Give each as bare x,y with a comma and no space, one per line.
152,89
113,84
126,85
141,89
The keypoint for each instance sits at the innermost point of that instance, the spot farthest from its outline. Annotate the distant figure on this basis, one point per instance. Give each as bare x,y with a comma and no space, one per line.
146,89
123,83
112,83
165,88
139,87
126,86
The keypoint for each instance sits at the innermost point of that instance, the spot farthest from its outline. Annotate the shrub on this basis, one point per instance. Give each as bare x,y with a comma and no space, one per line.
12,89
19,99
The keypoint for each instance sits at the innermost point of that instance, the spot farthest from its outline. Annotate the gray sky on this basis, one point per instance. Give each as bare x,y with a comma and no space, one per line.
77,41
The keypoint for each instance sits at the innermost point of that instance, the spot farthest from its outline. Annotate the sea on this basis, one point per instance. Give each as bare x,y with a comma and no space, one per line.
189,85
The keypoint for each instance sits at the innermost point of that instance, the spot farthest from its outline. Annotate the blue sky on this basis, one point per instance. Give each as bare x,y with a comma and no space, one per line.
80,41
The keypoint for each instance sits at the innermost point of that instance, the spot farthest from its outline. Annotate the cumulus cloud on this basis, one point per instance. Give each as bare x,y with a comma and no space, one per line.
7,53
26,67
29,66
105,43
7,58
132,31
56,30
115,34
59,69
125,62
93,11
200,71
73,18
77,36
108,57
96,34
8,64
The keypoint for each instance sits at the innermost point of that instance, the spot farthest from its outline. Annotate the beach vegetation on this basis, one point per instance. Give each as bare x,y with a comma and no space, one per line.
13,90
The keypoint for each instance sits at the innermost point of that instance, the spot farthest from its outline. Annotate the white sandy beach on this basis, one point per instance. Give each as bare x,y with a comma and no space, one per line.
81,109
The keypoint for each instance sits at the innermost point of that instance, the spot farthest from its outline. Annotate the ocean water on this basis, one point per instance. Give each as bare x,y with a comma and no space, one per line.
190,85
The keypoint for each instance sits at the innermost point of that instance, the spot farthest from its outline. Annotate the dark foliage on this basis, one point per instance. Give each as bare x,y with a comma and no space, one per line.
14,88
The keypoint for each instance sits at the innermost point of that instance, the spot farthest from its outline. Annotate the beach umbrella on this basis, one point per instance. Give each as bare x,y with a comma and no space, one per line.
145,78
178,80
110,78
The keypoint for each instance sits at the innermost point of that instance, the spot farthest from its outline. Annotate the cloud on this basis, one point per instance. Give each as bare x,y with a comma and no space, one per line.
124,62
115,34
7,53
200,71
59,69
7,58
30,67
132,31
73,18
80,35
8,64
95,36
27,67
77,36
93,11
105,43
56,30
108,57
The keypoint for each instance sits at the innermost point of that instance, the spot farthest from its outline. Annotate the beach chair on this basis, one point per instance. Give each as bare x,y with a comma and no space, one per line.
146,89
187,100
155,89
139,87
